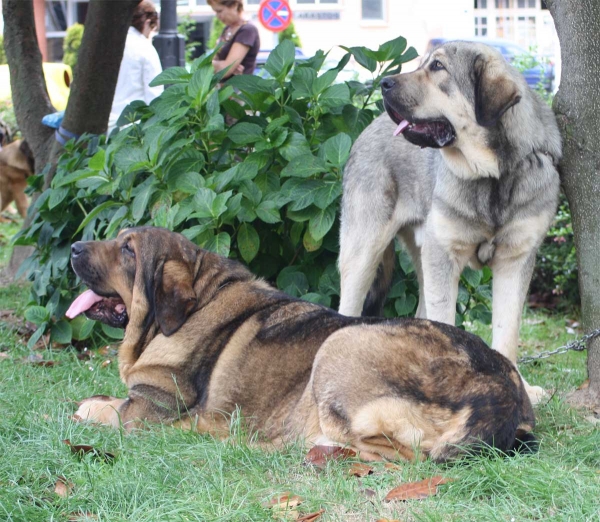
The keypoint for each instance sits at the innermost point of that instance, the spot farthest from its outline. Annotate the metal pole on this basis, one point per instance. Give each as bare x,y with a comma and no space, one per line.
169,44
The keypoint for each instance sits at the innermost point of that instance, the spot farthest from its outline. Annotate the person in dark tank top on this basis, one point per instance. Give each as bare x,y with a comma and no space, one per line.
240,40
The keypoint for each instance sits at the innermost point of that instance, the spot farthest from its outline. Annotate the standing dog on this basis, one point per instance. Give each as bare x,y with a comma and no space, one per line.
16,165
204,337
481,187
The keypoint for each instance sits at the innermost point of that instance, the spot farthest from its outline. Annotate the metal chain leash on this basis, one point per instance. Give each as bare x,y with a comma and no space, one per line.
577,345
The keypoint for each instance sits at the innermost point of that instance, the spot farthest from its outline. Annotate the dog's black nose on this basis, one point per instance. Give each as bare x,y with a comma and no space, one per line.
77,249
387,84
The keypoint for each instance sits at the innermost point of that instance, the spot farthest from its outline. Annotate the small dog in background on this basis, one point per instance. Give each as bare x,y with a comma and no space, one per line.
16,165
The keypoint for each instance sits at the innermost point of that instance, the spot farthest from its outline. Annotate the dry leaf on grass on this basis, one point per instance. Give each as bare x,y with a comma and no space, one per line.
416,490
84,449
105,363
37,360
387,520
3,355
311,516
584,385
283,501
63,487
319,455
81,516
392,467
360,470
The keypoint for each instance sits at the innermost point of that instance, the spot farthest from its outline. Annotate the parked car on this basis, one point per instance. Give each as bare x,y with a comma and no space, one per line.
537,69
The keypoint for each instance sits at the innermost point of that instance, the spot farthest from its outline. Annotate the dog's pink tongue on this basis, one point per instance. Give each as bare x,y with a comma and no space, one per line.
84,302
401,127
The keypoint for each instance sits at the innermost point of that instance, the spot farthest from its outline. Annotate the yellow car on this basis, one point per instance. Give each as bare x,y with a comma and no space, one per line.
58,79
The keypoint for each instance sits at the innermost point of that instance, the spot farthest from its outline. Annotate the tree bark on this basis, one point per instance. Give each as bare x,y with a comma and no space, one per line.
577,107
93,88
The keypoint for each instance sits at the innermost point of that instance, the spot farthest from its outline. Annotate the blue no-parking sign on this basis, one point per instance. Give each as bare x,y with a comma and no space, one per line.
275,15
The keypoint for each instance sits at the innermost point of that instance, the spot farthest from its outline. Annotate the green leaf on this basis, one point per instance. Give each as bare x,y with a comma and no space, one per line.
281,60
171,75
322,222
190,160
304,194
304,166
409,55
82,327
189,183
473,277
324,81
250,84
215,124
36,336
219,244
329,282
244,133
391,50
317,299
200,83
302,82
335,96
328,193
481,313
203,203
57,196
37,315
292,281
248,242
94,213
97,160
310,243
115,221
61,332
361,56
113,333
295,145
405,304
337,149
268,212
140,202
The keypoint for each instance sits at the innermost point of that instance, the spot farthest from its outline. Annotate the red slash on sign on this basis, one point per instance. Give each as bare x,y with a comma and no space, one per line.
275,15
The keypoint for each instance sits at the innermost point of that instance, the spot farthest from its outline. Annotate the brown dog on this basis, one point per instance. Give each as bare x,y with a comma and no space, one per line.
16,165
204,337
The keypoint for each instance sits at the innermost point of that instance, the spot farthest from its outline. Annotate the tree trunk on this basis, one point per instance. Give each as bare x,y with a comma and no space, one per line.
577,107
93,88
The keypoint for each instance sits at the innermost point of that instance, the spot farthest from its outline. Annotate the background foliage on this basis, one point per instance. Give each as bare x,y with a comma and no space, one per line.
71,44
216,28
2,53
289,33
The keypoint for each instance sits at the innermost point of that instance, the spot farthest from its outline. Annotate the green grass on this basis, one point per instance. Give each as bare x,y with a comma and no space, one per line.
166,474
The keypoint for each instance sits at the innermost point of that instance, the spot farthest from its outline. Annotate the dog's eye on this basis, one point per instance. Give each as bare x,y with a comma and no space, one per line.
126,248
436,65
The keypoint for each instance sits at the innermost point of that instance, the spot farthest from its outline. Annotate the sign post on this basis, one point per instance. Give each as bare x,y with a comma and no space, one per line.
275,15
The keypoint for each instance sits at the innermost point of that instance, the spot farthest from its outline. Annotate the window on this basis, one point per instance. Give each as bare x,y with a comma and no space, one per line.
252,2
320,2
522,4
505,27
480,4
481,26
372,9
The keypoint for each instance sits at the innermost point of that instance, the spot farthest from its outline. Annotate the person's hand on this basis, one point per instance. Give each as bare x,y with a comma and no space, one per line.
239,69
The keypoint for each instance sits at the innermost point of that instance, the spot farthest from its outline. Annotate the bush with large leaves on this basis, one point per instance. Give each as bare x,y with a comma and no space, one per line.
264,190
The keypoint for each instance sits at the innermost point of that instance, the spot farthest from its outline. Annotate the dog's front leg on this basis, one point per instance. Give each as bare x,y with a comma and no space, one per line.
441,272
510,284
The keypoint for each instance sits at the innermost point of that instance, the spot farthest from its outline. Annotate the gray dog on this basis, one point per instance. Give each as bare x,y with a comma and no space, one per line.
480,187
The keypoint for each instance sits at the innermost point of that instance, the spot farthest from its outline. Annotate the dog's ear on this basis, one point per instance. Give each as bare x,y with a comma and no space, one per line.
495,92
174,296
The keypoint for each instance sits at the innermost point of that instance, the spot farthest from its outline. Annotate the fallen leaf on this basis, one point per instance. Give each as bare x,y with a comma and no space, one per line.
592,419
360,470
319,455
416,490
63,487
83,449
3,355
311,516
387,520
84,356
105,363
585,384
392,467
283,501
37,360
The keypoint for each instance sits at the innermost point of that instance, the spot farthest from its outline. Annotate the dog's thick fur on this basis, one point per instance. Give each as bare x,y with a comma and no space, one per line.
484,190
16,165
204,337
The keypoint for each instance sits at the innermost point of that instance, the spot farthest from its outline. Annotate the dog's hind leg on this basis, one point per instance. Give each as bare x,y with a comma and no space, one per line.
377,293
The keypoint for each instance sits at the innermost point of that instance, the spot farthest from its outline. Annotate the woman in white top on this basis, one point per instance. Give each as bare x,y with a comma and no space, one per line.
140,64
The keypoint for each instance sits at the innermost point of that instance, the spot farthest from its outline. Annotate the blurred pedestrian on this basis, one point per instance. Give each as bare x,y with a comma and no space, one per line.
240,38
140,64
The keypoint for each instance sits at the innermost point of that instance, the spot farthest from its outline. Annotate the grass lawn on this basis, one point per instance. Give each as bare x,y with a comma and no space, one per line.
166,474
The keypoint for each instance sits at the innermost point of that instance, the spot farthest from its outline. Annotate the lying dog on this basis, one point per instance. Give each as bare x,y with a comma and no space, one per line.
16,165
204,337
480,187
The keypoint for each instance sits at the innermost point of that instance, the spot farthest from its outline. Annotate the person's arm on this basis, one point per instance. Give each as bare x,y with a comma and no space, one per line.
236,54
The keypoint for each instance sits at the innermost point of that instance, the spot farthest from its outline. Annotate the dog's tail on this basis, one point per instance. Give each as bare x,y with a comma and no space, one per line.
378,292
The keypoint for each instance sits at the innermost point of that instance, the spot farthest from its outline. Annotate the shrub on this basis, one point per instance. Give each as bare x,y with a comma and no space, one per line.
216,29
289,33
7,115
2,53
71,45
265,191
185,27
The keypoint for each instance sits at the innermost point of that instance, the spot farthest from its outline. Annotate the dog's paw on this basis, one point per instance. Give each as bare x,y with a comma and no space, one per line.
99,410
536,393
